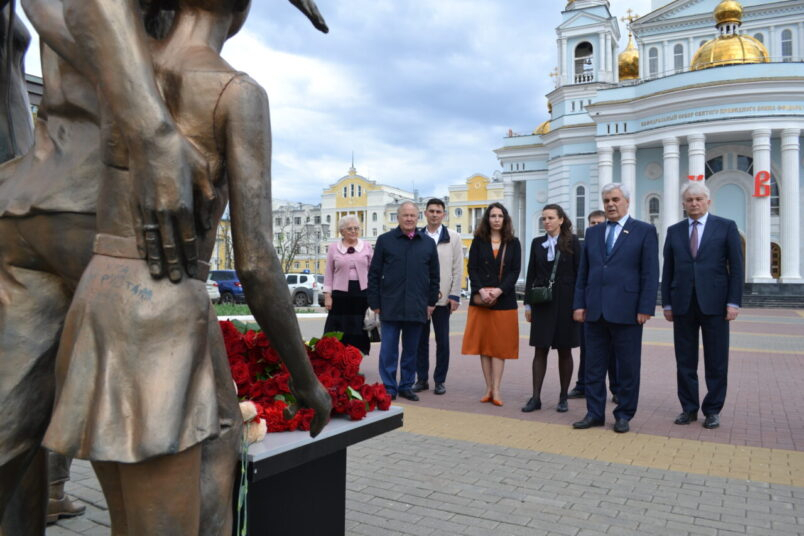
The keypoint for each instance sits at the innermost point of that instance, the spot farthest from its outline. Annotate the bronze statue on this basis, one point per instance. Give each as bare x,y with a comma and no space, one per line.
41,277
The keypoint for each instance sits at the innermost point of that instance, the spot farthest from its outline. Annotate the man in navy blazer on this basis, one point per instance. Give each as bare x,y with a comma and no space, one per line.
702,289
615,294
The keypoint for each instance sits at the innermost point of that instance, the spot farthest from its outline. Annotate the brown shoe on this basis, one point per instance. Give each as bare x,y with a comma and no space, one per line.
63,508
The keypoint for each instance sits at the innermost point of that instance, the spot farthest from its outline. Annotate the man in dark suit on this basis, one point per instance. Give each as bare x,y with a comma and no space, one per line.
615,294
702,288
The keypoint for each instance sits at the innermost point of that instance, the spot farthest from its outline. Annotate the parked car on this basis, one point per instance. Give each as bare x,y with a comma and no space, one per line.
303,288
229,286
320,279
213,291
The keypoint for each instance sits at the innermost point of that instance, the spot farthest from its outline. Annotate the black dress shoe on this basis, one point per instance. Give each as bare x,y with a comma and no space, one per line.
532,405
420,386
621,426
686,417
711,421
587,422
562,406
576,393
410,395
439,389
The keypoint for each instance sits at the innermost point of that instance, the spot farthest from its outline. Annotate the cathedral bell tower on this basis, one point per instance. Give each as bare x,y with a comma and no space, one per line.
587,43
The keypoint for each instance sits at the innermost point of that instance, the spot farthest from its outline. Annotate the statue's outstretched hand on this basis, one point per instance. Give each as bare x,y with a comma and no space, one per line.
315,397
310,10
170,176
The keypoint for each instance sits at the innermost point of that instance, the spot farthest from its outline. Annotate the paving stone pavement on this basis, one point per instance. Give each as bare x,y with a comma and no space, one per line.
459,467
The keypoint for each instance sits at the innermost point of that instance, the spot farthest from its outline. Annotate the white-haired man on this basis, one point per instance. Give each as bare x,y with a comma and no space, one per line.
702,288
403,288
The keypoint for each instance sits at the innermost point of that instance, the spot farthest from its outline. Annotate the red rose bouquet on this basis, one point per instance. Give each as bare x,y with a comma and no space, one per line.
262,378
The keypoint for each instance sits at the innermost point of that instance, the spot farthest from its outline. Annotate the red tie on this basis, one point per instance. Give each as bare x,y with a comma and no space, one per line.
694,238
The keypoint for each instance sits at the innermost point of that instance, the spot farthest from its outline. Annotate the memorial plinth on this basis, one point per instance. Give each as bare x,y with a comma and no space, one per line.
297,484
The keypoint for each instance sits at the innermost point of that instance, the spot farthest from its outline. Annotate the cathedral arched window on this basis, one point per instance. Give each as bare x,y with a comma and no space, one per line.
678,58
760,37
653,62
787,45
584,63
654,210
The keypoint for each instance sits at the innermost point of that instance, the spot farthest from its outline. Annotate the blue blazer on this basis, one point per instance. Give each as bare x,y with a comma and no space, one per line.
619,286
716,273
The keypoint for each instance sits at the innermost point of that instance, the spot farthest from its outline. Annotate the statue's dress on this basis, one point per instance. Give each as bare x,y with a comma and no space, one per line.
134,372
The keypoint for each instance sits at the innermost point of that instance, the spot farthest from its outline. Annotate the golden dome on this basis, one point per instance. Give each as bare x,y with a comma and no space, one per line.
730,47
543,129
728,11
628,61
729,50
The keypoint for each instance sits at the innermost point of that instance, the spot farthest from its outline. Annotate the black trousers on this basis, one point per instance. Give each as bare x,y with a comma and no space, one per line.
440,321
715,332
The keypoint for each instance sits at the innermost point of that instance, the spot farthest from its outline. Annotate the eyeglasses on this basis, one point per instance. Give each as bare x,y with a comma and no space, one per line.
350,250
351,228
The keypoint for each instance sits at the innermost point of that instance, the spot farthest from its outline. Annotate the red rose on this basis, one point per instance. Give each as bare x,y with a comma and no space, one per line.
233,339
382,397
282,382
357,410
240,373
328,347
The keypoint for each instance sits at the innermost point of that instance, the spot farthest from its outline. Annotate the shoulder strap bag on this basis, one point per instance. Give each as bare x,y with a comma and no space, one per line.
537,295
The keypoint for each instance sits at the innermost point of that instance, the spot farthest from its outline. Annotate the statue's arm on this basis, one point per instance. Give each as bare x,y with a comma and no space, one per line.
110,36
246,122
47,17
310,10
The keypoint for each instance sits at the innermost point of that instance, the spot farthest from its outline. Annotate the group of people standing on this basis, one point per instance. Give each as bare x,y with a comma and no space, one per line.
597,296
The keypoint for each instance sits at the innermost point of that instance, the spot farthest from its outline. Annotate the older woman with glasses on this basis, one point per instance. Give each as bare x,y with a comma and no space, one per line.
345,284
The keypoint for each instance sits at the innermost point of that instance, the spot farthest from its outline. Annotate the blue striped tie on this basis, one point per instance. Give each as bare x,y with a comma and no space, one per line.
610,238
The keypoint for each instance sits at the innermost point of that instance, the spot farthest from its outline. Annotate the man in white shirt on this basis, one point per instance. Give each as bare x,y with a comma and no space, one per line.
450,259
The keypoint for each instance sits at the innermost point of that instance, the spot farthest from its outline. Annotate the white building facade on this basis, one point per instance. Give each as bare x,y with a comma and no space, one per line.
723,104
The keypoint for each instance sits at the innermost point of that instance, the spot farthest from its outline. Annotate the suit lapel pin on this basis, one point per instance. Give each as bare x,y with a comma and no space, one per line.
625,231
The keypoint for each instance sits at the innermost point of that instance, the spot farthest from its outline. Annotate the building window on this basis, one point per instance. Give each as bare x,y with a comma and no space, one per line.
393,216
278,222
328,218
359,191
678,58
458,228
713,166
580,210
702,43
374,231
297,220
352,190
296,265
653,62
653,210
787,45
317,220
584,63
759,37
345,190
373,216
746,164
287,220
774,197
458,212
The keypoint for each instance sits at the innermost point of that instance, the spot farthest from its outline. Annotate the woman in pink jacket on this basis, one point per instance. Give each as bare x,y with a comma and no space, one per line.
345,283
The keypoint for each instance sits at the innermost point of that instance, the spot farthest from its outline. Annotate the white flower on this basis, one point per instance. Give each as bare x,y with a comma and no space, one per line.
255,432
248,410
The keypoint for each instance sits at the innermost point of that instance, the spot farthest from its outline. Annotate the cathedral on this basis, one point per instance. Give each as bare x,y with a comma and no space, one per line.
704,90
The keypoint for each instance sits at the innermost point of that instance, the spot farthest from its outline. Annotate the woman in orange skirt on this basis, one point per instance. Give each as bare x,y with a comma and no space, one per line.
492,324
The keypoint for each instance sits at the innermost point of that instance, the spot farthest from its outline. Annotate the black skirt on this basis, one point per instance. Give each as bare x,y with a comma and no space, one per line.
346,315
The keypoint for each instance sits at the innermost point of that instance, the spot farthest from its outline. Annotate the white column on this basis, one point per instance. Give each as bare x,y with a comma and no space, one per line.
628,172
670,210
601,58
760,229
562,68
789,207
697,154
605,166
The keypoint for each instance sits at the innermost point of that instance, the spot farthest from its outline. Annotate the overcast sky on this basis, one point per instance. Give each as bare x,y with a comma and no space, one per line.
420,90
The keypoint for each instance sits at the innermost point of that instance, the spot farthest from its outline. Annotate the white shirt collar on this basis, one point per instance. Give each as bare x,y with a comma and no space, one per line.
343,248
622,221
701,220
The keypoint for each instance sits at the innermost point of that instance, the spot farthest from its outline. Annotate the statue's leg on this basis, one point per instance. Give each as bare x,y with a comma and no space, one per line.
29,500
162,495
29,329
108,474
59,504
220,455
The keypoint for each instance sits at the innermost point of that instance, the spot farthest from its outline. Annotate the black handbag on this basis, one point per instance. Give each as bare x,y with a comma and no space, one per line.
537,295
